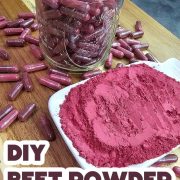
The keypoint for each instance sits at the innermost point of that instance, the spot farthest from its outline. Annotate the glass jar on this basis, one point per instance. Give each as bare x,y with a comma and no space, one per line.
76,35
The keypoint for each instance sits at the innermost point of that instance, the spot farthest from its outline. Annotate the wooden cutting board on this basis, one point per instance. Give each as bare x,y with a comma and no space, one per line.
30,4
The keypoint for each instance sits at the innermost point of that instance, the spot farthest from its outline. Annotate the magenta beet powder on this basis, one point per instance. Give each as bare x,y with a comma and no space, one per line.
123,117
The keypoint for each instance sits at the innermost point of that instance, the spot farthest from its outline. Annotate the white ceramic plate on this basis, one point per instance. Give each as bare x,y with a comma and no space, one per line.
171,67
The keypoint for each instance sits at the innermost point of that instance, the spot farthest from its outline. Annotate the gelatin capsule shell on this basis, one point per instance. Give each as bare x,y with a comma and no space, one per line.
15,91
47,128
8,120
9,69
45,81
6,110
9,77
27,111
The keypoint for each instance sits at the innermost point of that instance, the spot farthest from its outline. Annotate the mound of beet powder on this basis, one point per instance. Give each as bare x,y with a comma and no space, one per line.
124,116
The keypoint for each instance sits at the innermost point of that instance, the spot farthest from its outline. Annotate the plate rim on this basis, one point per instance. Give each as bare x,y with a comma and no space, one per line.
82,161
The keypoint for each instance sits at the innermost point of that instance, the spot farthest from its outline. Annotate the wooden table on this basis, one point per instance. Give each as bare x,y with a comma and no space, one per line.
164,45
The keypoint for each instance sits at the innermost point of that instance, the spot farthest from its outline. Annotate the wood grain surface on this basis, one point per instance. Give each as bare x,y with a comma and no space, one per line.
163,45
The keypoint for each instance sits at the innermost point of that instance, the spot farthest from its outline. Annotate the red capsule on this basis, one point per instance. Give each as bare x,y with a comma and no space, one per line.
9,77
82,60
116,53
120,30
60,58
138,26
13,31
101,40
15,42
36,51
54,4
4,55
47,128
73,41
24,33
176,170
140,46
26,15
9,69
15,24
119,65
115,44
8,120
60,47
151,57
123,34
87,28
76,4
132,41
32,40
99,33
88,46
91,74
34,26
61,79
127,54
94,11
85,53
3,24
51,14
74,14
50,83
170,158
58,72
125,45
140,55
137,35
110,3
35,67
27,82
28,111
96,21
27,23
5,111
15,91
108,63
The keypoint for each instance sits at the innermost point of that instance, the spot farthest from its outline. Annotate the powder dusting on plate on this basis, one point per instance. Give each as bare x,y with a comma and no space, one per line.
123,117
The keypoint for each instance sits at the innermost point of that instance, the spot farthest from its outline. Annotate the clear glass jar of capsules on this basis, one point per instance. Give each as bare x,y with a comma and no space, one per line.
76,35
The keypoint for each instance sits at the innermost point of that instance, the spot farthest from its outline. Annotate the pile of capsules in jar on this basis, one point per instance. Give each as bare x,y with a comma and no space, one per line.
76,33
